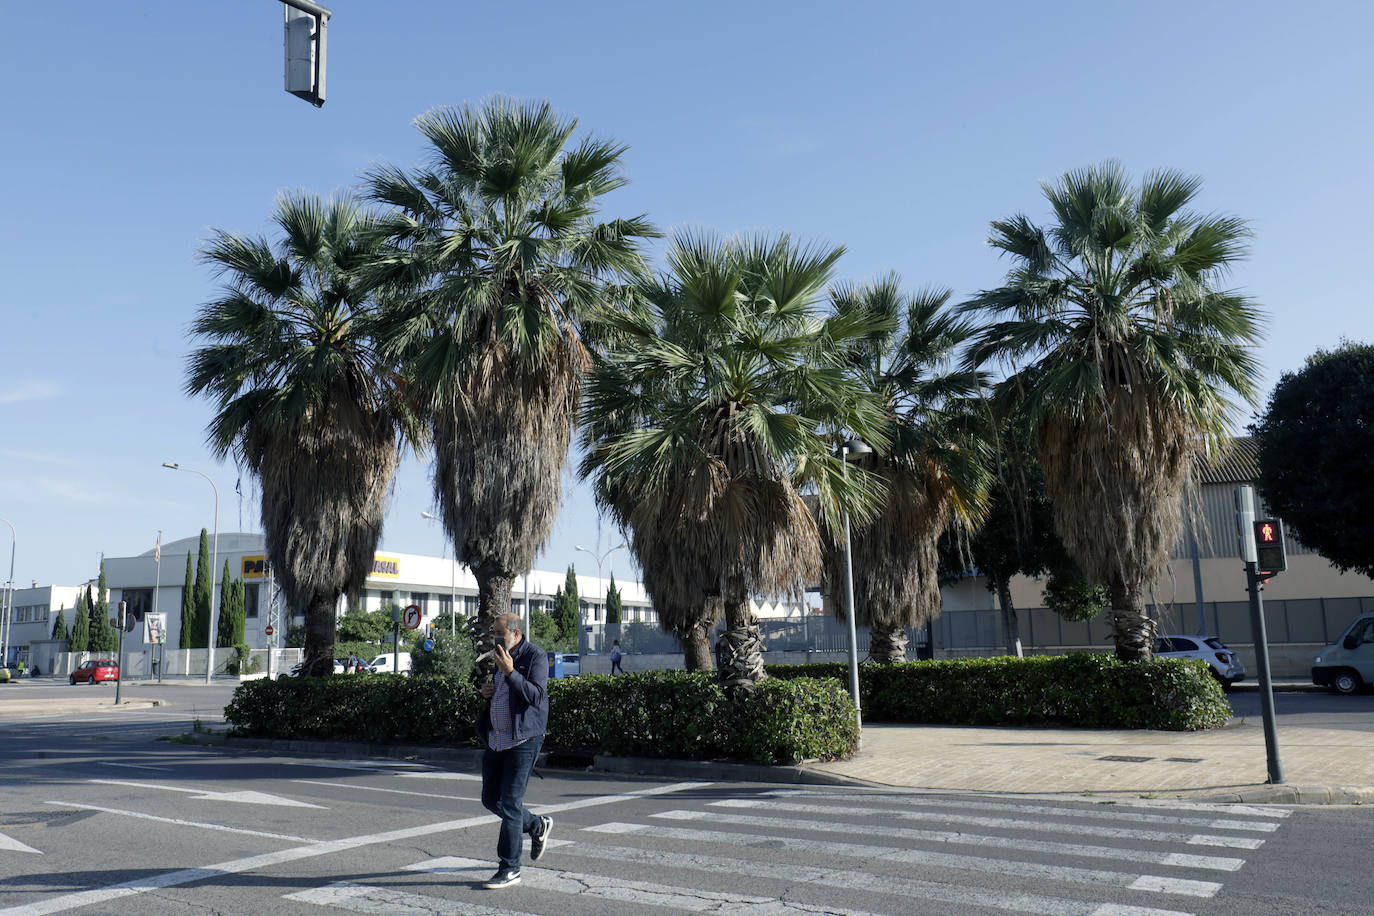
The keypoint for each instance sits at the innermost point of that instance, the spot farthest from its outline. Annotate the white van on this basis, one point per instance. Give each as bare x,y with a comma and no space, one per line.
382,664
1348,665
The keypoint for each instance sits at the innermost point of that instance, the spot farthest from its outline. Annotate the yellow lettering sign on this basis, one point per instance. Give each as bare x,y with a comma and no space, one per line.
386,567
254,567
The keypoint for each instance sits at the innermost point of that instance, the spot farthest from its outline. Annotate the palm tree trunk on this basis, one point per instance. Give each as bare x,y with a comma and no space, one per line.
696,648
1132,629
320,633
1009,619
887,645
493,600
740,650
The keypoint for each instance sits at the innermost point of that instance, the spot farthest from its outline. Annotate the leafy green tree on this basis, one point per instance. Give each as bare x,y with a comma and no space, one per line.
500,247
546,634
186,639
1127,354
714,405
1315,438
303,399
295,638
371,627
614,606
232,614
102,636
452,656
567,607
202,593
935,471
59,625
81,624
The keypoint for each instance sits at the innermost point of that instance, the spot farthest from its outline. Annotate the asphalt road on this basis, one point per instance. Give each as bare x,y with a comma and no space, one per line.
99,815
1309,710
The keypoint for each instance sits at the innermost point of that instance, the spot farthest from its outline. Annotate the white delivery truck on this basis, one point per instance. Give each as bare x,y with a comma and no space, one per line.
1348,665
382,664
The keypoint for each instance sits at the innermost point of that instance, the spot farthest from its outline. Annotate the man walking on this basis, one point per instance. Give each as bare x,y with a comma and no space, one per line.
513,724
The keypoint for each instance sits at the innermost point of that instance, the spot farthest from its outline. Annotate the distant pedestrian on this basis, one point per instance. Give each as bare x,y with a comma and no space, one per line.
616,656
513,725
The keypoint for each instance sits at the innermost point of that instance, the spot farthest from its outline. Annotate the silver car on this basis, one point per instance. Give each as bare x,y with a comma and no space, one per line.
1225,663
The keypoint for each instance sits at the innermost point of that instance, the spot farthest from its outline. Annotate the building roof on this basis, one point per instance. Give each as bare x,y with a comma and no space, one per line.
1236,461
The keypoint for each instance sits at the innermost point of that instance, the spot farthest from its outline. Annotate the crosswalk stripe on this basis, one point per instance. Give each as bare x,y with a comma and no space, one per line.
349,785
880,884
1117,833
1149,857
1104,812
385,901
625,890
693,900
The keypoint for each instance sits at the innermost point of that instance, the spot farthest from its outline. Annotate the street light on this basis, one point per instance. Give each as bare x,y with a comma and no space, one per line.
605,586
9,601
854,448
452,584
214,559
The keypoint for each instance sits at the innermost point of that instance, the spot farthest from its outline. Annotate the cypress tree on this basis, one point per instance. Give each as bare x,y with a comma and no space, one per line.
103,637
205,583
188,609
81,625
240,614
59,626
567,612
613,606
225,637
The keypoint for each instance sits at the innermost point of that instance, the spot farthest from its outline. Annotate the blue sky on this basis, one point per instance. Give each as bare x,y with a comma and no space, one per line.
898,129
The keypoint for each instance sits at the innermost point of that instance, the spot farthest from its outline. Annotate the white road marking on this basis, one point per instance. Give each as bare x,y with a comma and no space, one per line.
838,792
442,774
245,797
142,885
1005,823
349,785
1101,812
384,901
847,878
1213,863
13,845
625,890
185,823
131,766
647,893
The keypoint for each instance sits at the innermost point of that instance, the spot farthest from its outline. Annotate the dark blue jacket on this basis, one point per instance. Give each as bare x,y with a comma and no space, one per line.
529,693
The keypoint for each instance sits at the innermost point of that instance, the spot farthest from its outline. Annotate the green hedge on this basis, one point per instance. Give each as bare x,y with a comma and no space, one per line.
1081,690
688,716
653,714
380,708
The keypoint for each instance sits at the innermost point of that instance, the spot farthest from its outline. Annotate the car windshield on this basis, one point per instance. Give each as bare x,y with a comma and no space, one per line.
1215,643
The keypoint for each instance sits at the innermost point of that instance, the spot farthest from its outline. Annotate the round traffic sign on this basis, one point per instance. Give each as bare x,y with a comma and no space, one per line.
412,617
269,631
429,645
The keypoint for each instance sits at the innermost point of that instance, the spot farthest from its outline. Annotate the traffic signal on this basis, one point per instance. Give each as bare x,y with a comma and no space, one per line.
1271,557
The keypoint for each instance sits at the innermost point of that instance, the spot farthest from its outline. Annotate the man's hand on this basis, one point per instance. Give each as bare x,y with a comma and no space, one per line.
503,660
488,690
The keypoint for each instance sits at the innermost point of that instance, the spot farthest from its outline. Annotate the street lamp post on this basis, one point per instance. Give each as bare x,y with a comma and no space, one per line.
605,587
855,448
214,560
452,584
9,600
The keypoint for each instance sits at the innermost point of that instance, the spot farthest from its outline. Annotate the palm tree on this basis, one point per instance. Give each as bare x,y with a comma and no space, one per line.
935,470
303,400
705,420
498,247
1125,353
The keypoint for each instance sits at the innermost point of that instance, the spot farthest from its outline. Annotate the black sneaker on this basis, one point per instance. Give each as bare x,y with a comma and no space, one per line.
537,843
504,877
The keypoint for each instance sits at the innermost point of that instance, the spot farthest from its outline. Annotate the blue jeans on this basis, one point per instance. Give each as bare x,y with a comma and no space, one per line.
504,777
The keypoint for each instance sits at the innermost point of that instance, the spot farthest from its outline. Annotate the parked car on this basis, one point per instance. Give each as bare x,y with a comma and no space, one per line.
382,664
1347,666
1225,663
95,671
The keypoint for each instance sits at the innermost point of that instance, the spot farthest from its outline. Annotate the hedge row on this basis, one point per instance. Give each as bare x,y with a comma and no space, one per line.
653,714
1081,690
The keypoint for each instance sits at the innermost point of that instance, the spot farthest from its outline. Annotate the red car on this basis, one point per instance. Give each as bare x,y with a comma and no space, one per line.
93,672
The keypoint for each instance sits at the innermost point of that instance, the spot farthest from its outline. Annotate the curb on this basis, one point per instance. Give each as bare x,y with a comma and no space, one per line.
49,709
1295,795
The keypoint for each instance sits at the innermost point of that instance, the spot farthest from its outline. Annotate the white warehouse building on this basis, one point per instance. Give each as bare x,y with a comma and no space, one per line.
151,582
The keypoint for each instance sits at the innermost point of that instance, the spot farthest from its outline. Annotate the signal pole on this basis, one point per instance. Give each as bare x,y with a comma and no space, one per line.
1247,528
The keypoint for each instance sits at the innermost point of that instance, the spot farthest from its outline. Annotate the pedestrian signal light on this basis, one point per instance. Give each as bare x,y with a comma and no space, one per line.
1271,557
